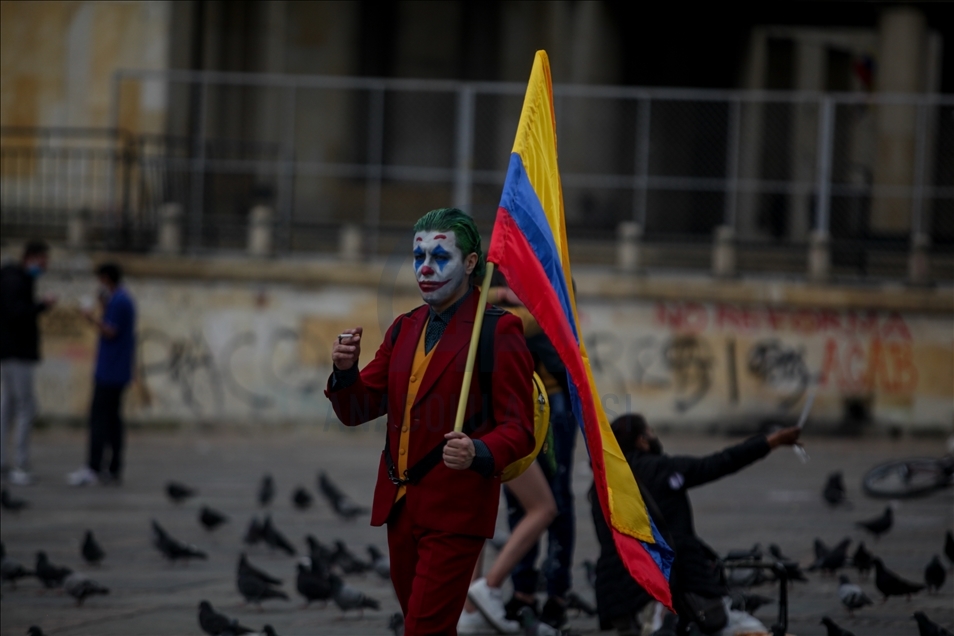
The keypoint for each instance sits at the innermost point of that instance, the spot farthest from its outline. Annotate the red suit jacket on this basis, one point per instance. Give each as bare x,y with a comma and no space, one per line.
457,501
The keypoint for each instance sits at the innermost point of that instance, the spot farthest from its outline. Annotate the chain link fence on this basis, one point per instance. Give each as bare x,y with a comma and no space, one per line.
872,173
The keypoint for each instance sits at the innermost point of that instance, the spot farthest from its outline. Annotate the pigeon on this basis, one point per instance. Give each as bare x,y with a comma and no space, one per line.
793,572
834,491
340,502
254,533
244,567
346,560
752,554
34,630
927,627
312,585
744,602
50,575
934,575
851,595
256,590
178,492
211,519
590,569
532,626
949,546
861,559
275,539
879,525
92,552
266,491
396,624
379,563
12,571
215,624
834,629
821,551
320,554
302,499
835,559
349,598
11,503
80,586
172,548
268,630
576,602
890,584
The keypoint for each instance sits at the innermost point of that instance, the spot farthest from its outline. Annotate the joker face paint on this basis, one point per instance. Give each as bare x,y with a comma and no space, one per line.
438,265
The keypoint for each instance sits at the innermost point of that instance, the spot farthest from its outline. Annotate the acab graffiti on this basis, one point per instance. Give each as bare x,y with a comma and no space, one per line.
694,349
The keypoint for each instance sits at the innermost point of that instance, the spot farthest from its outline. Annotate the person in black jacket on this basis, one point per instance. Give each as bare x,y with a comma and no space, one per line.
667,479
19,353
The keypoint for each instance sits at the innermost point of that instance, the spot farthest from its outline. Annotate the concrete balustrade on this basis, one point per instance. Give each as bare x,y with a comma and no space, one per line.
629,236
723,252
170,228
260,231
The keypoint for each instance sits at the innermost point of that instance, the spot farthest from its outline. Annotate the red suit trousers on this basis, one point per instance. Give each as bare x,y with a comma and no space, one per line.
431,571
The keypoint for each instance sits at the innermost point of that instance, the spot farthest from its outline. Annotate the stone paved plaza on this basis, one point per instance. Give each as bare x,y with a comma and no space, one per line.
777,500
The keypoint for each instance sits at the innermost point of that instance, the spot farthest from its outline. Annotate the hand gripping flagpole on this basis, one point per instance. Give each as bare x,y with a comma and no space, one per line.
472,352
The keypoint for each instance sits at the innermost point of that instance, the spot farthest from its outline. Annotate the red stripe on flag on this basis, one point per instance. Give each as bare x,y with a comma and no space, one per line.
514,257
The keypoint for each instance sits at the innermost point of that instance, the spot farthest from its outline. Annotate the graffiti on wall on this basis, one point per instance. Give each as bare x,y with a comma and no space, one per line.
691,357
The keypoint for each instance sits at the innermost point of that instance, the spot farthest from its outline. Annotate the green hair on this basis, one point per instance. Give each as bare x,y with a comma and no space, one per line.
463,227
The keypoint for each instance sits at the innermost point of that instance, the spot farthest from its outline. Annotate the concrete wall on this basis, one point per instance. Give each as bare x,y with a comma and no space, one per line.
243,341
58,60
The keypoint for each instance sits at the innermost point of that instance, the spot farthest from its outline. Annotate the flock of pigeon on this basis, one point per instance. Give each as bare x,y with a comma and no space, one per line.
320,571
831,561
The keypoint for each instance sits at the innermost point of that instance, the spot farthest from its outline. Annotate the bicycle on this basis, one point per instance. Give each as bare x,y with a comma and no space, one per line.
909,478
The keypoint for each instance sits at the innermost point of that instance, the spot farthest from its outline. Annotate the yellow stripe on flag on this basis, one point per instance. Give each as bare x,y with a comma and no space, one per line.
536,144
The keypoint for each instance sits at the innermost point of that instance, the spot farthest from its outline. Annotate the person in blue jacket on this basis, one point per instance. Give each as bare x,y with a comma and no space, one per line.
114,371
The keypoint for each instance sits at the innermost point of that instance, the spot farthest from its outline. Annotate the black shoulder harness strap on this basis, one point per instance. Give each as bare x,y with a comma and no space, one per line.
485,363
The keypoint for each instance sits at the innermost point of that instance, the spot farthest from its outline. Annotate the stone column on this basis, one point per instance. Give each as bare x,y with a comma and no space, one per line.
349,242
629,235
723,252
260,231
902,53
919,260
819,256
170,228
76,229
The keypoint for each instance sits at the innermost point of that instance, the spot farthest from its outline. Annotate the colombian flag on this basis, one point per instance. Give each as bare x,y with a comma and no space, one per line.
529,246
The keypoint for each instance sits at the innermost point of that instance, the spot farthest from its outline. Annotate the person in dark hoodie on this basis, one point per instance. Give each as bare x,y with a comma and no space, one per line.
667,479
20,352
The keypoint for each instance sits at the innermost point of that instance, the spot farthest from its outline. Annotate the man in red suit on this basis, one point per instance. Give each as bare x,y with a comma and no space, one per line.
438,490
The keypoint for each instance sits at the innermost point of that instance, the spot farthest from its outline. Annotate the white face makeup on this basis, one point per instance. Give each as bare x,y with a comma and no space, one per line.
438,266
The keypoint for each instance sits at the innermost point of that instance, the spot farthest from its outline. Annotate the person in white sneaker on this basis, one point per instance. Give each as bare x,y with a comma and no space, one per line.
20,353
85,476
485,596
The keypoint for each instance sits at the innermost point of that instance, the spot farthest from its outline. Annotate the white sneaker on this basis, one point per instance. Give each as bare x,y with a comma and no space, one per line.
82,477
489,601
473,623
19,477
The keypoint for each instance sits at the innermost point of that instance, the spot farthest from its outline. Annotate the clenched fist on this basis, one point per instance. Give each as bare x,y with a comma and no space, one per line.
459,451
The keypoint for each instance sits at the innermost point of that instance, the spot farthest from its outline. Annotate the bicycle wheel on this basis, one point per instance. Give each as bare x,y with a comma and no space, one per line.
905,478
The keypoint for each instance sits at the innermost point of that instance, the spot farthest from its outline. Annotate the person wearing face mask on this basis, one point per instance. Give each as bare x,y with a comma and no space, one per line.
438,490
666,480
114,369
19,354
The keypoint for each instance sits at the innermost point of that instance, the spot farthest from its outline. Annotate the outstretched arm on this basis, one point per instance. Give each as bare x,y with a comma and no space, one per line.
697,471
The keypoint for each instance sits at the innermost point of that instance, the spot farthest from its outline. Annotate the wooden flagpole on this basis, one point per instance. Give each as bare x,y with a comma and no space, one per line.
472,352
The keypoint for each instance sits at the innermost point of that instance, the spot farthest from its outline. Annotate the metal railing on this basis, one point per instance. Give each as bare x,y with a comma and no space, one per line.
869,170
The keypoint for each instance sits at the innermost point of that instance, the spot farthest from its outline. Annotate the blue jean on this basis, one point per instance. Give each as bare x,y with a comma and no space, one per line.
561,533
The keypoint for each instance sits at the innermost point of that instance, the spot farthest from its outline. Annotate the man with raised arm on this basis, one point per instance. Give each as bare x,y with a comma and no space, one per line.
438,490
